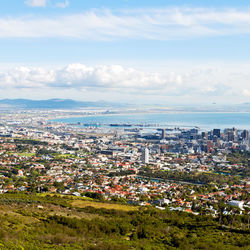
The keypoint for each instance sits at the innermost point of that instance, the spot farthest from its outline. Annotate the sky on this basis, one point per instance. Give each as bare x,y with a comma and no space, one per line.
160,52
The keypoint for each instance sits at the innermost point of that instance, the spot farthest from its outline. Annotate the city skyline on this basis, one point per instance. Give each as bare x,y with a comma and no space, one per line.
138,52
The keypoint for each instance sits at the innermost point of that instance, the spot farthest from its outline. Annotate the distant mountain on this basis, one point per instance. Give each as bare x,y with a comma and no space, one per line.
53,104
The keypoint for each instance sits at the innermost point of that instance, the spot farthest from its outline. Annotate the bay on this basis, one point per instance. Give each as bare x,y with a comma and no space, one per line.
202,120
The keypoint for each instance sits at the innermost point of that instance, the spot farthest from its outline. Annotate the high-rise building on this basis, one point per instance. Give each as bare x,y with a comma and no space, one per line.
145,156
230,136
244,134
163,134
216,132
204,135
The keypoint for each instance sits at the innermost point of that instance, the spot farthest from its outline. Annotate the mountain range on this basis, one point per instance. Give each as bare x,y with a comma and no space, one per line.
53,104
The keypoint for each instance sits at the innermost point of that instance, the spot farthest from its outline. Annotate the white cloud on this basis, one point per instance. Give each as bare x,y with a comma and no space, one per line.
25,77
63,5
127,80
79,76
154,24
36,3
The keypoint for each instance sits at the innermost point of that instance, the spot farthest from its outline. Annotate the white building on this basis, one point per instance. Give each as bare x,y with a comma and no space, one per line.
235,203
145,156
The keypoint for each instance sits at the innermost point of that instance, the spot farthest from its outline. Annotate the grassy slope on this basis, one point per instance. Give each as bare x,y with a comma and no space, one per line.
83,204
64,222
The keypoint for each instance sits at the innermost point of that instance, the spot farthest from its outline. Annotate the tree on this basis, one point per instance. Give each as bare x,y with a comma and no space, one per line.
235,212
221,209
59,186
247,213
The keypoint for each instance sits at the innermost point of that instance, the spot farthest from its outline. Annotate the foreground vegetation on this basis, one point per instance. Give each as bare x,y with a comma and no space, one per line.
61,222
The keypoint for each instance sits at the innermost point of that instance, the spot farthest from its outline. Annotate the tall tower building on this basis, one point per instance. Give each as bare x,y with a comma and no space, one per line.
145,156
163,134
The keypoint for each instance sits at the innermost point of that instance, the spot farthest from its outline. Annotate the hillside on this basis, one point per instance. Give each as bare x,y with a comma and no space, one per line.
32,221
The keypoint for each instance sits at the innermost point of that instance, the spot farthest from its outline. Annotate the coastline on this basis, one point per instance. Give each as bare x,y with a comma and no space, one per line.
143,113
200,122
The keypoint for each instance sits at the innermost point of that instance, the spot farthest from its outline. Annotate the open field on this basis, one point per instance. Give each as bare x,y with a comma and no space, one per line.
84,203
27,154
71,197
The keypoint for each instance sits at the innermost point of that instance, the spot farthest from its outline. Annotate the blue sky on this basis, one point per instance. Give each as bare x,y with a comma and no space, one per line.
143,51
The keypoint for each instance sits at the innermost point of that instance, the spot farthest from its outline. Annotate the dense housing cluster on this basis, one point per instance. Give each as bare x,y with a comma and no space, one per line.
183,169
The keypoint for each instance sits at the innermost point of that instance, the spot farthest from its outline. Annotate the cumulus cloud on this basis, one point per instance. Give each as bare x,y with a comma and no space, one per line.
82,76
153,24
24,77
116,78
36,3
63,5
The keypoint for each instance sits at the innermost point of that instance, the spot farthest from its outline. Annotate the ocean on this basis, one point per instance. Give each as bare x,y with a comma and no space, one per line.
203,120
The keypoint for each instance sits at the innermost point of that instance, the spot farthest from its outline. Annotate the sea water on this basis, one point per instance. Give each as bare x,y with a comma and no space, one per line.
202,120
